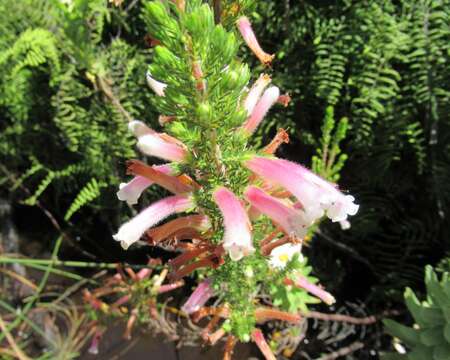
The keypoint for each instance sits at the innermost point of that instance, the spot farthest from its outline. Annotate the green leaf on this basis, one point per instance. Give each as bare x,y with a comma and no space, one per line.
406,334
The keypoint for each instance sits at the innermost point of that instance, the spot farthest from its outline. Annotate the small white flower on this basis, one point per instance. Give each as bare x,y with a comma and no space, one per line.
157,86
281,255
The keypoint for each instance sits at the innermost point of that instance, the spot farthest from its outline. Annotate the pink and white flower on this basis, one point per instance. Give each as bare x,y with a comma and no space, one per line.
237,240
199,297
139,128
302,282
157,86
281,255
255,92
292,221
245,28
258,338
131,231
315,194
157,144
154,145
93,348
268,99
132,190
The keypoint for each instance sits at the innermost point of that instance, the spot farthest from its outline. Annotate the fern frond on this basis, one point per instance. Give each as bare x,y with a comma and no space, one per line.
86,195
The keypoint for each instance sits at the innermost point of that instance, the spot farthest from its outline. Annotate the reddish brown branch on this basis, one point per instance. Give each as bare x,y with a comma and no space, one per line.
280,138
349,319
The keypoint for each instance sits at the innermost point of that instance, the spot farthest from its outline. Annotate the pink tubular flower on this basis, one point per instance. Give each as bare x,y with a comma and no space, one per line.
314,193
302,282
245,28
199,297
157,86
156,144
93,348
268,99
255,92
132,190
292,221
237,239
139,128
131,231
258,338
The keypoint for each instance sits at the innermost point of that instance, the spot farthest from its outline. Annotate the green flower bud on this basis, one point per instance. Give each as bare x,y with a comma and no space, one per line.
204,112
230,80
156,11
165,56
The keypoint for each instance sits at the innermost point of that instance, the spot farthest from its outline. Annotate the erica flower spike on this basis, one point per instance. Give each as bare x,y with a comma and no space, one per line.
238,216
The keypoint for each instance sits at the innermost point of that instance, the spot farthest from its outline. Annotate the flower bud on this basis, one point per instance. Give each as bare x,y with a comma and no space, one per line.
204,112
230,79
164,55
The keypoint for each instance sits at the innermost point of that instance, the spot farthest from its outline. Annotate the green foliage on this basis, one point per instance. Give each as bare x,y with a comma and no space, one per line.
68,86
198,60
85,196
430,337
383,65
293,299
329,161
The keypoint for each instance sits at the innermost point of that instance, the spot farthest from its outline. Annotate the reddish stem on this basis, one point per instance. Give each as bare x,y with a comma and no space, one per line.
259,340
222,312
265,314
212,261
281,137
169,182
229,347
267,249
187,256
169,287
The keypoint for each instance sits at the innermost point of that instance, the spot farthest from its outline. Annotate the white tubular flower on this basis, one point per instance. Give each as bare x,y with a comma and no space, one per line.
157,86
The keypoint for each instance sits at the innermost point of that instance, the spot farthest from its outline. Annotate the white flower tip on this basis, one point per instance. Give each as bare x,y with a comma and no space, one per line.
93,350
345,224
329,299
124,242
157,86
273,93
123,195
237,252
139,128
147,143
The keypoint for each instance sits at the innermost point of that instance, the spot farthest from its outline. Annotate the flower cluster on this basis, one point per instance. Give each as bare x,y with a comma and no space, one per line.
240,205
